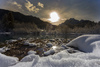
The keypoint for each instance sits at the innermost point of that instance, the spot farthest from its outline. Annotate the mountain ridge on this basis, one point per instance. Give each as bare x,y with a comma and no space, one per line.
24,18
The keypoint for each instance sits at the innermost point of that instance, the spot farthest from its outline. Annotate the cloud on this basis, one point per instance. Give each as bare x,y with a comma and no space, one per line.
31,7
41,5
14,4
18,5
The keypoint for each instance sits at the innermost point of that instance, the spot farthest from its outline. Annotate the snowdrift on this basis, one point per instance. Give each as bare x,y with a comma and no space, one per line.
86,43
6,61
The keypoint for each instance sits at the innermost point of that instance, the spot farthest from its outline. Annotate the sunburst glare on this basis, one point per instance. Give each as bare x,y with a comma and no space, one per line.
54,17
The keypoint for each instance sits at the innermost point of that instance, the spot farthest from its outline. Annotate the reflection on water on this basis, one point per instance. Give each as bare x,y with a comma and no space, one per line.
8,37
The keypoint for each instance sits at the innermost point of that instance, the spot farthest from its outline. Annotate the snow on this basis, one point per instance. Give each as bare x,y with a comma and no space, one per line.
3,49
11,41
49,52
6,61
20,38
29,58
90,44
86,43
30,44
31,52
49,44
62,59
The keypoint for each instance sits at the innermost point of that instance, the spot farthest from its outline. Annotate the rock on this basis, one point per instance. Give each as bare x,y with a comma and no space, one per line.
11,41
33,44
26,42
71,51
52,40
20,38
3,49
64,46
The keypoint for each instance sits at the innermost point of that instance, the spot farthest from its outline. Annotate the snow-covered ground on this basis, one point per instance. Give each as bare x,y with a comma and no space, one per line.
90,44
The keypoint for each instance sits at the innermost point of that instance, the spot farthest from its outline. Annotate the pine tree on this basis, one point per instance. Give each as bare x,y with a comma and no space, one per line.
8,22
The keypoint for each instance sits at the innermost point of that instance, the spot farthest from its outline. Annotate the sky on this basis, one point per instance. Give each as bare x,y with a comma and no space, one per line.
66,9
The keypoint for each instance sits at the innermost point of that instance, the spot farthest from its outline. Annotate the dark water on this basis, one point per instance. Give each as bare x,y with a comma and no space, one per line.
8,37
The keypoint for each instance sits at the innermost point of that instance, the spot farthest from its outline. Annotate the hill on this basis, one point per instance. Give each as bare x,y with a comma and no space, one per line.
24,18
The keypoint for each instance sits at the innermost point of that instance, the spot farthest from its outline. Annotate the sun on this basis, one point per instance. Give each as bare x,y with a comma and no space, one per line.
54,17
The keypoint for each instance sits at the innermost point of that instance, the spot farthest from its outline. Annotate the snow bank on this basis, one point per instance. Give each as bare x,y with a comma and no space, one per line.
86,43
6,61
61,59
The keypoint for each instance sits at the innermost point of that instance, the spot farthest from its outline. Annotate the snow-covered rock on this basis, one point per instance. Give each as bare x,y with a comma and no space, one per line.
32,44
20,38
11,41
49,44
86,43
49,52
31,52
6,61
4,49
64,46
52,40
26,42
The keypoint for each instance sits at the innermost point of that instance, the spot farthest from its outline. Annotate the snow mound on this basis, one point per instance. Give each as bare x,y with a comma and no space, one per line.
6,61
29,58
86,43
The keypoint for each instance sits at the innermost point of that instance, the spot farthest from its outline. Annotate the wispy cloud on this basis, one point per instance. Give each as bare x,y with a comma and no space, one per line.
41,5
31,7
18,5
14,4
